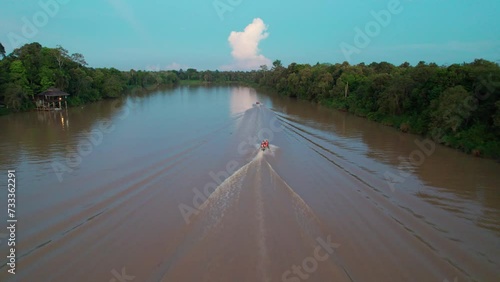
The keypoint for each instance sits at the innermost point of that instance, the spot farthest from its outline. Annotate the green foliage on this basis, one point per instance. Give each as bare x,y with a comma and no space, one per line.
2,50
112,87
497,115
32,69
453,108
4,111
15,97
19,77
47,78
457,105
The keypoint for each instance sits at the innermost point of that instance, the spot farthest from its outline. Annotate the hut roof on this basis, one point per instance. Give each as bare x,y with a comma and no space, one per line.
53,92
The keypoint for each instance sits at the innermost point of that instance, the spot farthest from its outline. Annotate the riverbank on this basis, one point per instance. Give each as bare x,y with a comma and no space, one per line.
457,106
474,142
77,101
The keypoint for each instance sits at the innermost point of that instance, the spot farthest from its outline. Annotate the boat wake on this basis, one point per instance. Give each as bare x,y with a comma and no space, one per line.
239,229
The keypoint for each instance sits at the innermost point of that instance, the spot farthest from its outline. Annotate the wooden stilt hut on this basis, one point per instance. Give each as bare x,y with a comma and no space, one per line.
52,99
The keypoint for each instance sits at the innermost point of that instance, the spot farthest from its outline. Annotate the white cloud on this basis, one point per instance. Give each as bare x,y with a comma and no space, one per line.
245,45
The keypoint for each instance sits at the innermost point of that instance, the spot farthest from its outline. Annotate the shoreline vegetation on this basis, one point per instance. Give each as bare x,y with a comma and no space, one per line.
456,105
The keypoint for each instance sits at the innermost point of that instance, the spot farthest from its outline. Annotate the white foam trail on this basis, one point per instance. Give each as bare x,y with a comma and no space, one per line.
226,193
305,215
272,149
264,258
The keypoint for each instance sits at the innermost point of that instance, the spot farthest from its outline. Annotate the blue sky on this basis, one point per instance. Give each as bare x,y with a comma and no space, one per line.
243,34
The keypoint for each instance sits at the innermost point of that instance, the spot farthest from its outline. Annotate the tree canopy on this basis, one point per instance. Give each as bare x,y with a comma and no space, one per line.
32,69
2,50
458,105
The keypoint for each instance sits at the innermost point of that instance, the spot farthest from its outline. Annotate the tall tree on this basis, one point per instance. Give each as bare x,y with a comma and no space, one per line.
79,59
277,65
31,57
192,74
2,50
61,55
18,75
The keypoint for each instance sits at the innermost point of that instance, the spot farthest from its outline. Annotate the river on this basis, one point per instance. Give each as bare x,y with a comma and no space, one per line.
171,186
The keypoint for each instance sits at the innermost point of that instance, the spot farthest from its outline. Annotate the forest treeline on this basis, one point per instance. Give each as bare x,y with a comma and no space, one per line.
457,105
32,69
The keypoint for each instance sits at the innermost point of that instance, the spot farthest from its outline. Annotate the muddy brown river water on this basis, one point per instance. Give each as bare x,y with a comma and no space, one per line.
171,186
